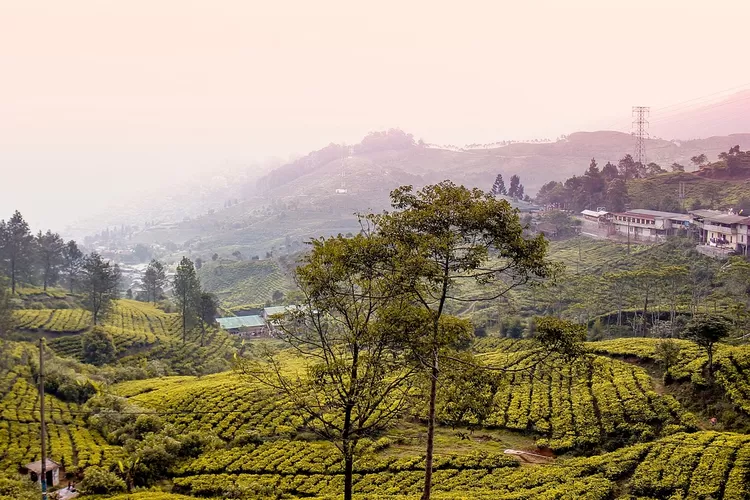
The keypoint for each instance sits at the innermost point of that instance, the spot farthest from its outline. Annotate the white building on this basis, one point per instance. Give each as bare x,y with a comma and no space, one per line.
648,225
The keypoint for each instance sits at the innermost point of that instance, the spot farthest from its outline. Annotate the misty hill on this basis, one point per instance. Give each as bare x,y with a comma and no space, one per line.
299,200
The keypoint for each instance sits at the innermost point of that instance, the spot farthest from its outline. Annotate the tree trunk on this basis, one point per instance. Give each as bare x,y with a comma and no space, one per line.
431,427
348,475
12,276
203,331
710,350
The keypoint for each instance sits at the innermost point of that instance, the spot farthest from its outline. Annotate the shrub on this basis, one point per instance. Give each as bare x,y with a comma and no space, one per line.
100,481
17,488
97,347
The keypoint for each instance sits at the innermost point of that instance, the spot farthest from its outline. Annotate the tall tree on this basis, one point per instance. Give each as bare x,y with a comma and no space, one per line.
628,168
609,172
699,160
354,381
617,195
676,167
50,248
498,187
72,263
706,331
187,292
6,310
654,169
446,235
100,283
154,280
515,184
208,309
16,248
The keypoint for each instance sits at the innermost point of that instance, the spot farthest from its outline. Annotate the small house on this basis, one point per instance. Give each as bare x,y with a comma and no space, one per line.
244,326
595,215
52,470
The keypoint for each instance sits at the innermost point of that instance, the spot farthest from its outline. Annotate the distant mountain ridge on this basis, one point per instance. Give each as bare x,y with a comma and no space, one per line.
385,160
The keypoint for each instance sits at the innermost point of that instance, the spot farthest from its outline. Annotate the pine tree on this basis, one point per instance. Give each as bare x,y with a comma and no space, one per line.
72,263
6,310
515,184
187,292
154,280
50,249
208,310
101,281
16,248
498,187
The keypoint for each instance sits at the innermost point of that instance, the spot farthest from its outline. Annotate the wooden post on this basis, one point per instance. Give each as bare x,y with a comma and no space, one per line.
43,479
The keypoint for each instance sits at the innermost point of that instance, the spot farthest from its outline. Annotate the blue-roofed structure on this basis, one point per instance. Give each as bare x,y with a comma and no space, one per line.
249,326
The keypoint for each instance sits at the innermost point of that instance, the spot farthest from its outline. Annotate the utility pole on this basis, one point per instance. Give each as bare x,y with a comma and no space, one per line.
43,420
681,196
640,131
578,264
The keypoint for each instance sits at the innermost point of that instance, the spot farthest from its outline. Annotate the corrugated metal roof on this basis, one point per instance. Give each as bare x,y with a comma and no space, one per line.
594,213
234,322
717,216
268,311
658,213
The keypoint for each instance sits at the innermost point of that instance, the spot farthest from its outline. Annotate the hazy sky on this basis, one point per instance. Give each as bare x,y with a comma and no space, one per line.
100,95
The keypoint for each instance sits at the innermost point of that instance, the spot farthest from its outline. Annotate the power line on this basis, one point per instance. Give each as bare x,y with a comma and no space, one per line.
699,110
703,97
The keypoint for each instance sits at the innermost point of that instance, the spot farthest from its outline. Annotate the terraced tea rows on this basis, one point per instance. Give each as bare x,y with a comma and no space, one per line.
732,364
222,403
700,465
584,404
53,320
579,406
69,441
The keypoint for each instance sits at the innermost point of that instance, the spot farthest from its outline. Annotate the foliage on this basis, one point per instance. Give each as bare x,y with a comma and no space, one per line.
17,488
97,347
70,441
16,248
50,250
154,280
208,310
732,364
98,480
706,331
667,352
565,224
186,289
100,283
498,188
445,234
7,316
348,334
72,263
